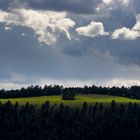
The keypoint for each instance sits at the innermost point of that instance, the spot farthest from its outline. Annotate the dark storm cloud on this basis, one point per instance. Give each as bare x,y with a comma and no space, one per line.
8,4
134,5
23,55
123,52
76,6
4,4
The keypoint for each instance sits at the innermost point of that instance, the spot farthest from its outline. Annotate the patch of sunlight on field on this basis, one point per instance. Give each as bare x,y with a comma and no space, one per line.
80,99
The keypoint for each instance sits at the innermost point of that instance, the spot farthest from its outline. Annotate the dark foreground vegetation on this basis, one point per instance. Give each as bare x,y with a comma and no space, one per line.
132,92
91,122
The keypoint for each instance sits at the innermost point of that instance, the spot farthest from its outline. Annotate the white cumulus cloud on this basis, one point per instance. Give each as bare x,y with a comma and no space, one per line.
124,2
137,25
127,33
47,25
94,29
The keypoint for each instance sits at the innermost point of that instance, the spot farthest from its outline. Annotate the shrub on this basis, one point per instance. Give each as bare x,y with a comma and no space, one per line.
68,96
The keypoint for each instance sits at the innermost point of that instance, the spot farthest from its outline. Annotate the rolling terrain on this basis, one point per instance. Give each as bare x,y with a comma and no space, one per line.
80,99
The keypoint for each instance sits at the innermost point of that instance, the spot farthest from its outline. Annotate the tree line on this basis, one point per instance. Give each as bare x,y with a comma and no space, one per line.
130,92
51,122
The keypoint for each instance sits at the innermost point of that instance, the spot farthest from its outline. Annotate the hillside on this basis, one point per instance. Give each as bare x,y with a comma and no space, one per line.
80,99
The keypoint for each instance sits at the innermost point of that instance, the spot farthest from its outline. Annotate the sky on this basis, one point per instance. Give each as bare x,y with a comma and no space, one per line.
69,42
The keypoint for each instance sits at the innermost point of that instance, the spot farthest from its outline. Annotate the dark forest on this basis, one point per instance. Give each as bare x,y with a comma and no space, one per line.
91,122
34,91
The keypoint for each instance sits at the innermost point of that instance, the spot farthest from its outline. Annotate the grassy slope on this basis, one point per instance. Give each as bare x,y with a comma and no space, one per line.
79,100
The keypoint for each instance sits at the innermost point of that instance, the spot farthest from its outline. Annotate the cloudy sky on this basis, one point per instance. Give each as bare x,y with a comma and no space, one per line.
69,42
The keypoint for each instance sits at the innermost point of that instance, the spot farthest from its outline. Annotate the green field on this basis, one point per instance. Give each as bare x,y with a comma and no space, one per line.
80,99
